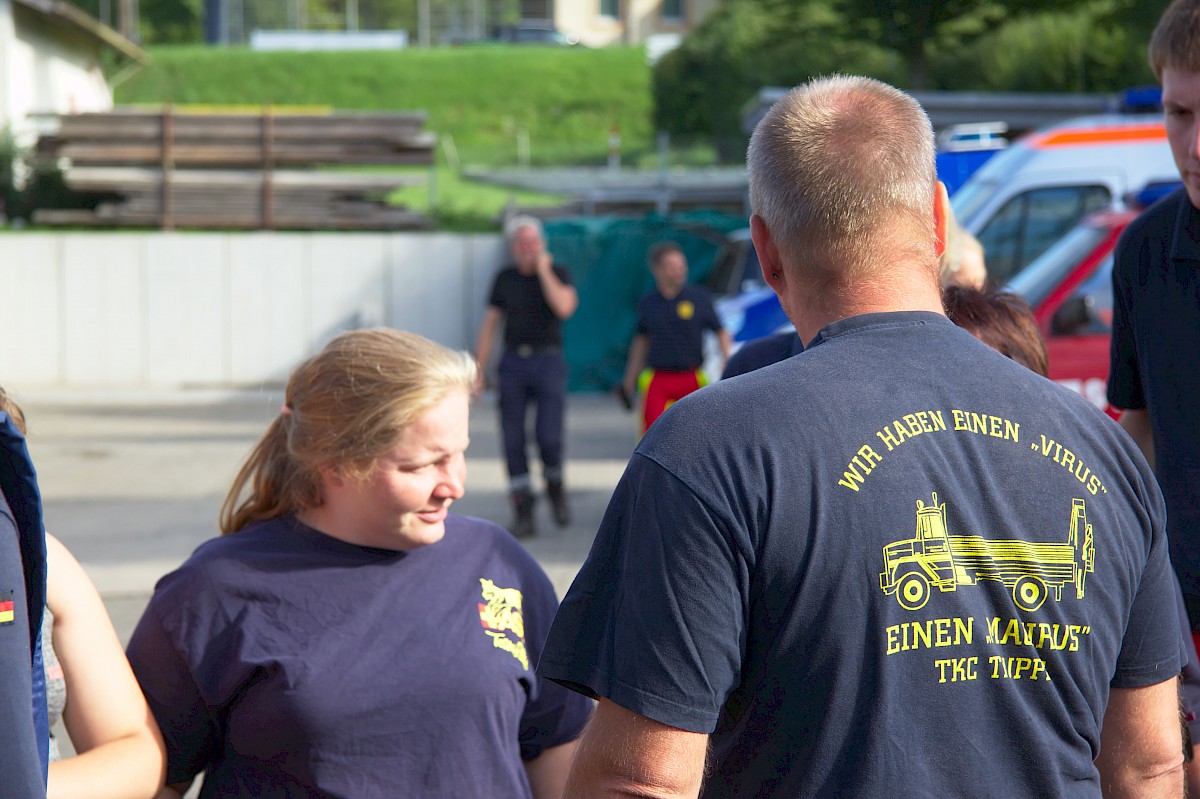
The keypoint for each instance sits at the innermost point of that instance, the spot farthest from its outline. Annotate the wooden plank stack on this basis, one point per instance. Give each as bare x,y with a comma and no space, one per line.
263,171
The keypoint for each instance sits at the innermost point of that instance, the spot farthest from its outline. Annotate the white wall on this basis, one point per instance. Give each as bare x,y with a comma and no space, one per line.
223,309
46,68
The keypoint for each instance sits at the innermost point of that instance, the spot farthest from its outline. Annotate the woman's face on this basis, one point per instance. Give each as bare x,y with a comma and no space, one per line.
402,503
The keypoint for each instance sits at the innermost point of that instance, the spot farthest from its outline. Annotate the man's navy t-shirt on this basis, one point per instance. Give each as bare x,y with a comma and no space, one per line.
900,563
675,327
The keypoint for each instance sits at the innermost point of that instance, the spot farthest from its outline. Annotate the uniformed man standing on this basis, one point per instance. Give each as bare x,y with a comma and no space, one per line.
532,296
667,352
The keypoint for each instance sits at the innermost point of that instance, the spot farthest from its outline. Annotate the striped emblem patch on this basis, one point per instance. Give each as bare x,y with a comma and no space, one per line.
6,607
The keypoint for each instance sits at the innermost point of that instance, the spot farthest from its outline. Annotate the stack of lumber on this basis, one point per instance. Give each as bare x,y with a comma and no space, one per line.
269,171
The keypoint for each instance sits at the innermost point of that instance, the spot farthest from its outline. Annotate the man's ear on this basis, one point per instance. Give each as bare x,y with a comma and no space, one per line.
768,254
942,214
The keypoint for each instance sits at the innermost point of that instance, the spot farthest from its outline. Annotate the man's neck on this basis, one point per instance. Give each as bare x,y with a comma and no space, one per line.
814,311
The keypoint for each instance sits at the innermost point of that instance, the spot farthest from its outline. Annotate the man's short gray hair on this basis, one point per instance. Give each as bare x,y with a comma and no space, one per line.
523,220
838,166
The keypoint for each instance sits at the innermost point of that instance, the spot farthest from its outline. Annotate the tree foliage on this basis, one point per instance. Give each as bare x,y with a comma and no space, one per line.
991,45
910,27
701,87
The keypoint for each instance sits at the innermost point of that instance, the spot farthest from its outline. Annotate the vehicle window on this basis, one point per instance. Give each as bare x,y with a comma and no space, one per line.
1036,281
721,274
1001,239
1089,309
1028,224
751,270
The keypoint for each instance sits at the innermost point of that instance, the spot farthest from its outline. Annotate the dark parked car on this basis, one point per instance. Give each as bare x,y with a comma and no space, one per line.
535,34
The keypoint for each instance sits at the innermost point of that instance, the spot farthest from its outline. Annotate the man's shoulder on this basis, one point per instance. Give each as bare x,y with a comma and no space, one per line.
754,355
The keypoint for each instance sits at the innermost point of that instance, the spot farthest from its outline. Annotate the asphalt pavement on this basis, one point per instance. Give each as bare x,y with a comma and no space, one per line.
132,482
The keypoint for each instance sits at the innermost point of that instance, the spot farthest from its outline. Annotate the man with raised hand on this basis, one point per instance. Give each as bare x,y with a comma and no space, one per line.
531,298
899,563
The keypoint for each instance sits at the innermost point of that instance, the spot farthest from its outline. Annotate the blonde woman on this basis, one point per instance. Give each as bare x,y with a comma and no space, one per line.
348,635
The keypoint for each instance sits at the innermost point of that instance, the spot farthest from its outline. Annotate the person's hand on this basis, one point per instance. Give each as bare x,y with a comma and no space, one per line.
544,261
624,395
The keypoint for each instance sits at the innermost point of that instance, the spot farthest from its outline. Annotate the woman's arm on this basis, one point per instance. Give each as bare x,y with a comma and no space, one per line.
120,750
548,771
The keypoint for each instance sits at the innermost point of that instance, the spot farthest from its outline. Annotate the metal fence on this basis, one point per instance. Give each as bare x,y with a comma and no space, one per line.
427,22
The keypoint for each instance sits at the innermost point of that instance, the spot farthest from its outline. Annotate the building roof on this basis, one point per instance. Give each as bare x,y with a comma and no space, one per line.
64,13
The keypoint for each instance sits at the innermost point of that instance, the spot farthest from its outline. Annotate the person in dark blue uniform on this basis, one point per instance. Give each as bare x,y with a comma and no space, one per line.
665,357
763,352
532,296
22,599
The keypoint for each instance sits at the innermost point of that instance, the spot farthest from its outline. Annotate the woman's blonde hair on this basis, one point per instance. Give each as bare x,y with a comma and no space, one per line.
9,405
345,406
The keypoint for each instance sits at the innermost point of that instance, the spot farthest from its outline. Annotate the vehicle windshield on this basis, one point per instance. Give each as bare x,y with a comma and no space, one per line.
1038,279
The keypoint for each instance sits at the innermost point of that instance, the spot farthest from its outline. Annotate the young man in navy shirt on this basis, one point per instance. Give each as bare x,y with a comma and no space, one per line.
668,349
1155,371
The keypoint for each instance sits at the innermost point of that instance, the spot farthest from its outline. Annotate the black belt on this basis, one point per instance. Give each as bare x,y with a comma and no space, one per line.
686,371
530,350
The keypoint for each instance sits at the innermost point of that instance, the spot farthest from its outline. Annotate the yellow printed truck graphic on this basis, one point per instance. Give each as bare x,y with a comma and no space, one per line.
934,559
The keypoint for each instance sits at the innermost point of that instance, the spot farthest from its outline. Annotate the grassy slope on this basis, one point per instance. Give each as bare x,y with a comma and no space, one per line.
566,98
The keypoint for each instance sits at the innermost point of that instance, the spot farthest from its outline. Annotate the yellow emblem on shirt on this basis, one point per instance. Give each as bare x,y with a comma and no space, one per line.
685,309
500,614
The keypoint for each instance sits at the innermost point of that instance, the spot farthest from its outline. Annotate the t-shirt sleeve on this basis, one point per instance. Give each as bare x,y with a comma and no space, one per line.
191,734
1124,381
656,619
642,328
554,715
1152,649
711,320
496,297
563,274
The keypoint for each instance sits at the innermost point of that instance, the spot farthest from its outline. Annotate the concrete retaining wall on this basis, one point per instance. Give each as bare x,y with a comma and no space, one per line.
222,309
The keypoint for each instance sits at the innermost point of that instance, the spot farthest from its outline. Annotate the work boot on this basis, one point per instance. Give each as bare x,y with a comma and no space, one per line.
522,515
558,501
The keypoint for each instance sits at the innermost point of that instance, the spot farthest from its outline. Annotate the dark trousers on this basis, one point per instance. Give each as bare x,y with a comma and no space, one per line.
541,379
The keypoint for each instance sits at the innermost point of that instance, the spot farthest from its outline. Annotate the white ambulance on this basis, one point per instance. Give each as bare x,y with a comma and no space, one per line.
1028,196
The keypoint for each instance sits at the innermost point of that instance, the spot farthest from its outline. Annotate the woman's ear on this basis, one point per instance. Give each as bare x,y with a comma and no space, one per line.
332,475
